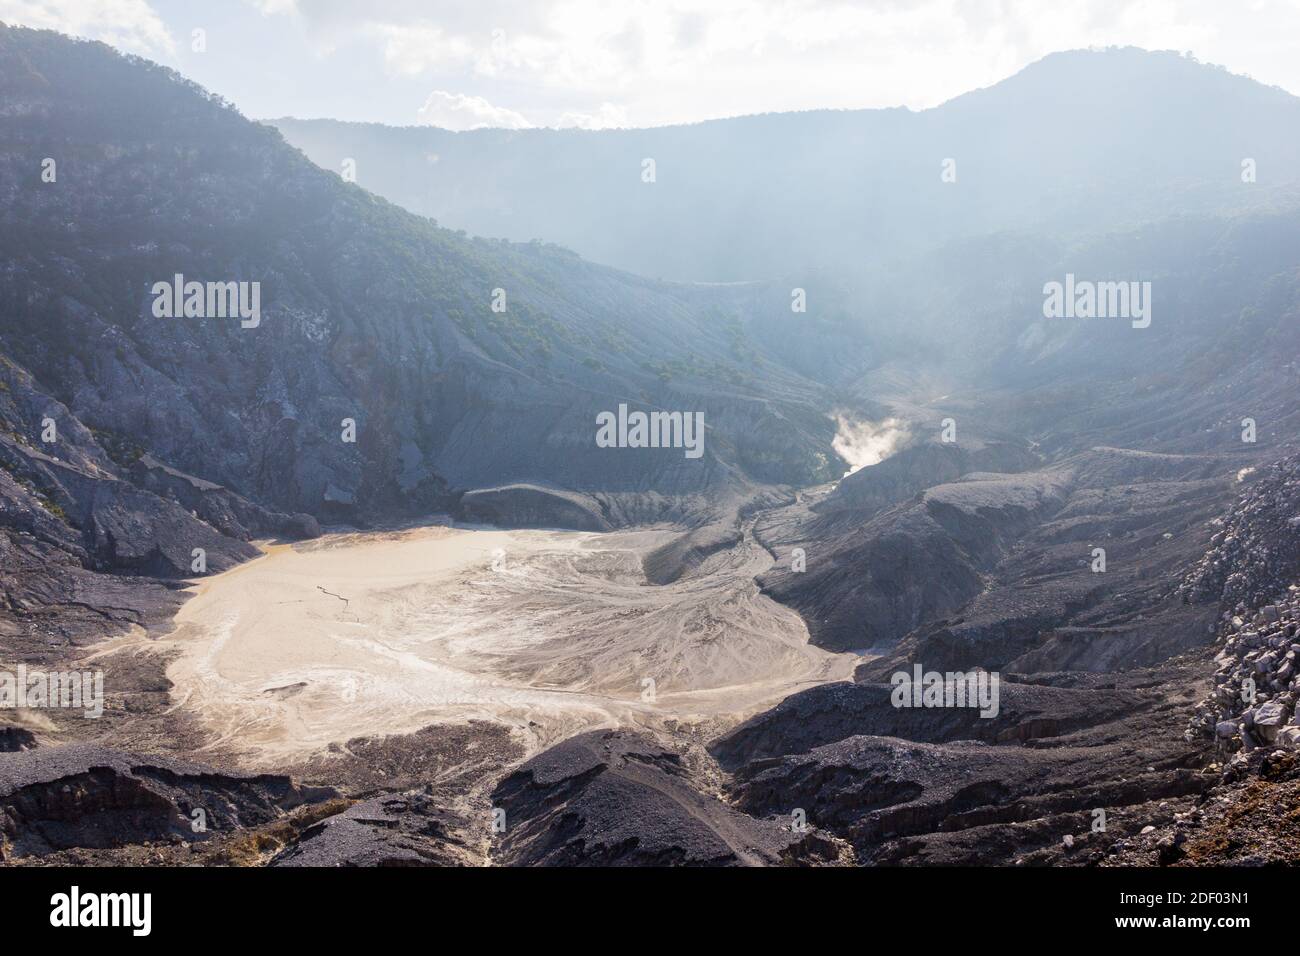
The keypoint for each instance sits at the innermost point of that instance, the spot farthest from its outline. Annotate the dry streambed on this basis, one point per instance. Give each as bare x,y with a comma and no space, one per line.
549,632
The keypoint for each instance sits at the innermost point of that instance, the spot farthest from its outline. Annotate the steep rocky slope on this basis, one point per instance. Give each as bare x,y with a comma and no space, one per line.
1101,678
89,797
91,544
463,363
1252,570
617,799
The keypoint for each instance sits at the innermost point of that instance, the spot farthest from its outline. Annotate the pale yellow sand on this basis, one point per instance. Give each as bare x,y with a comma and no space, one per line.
550,632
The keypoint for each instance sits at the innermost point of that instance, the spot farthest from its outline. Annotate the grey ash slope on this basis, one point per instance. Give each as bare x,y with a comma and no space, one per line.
614,798
89,545
369,312
1101,672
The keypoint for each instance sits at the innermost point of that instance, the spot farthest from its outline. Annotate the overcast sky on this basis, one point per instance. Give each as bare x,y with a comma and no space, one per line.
600,63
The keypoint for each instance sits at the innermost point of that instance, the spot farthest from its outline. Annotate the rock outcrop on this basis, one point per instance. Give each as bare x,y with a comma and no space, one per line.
406,829
616,798
55,798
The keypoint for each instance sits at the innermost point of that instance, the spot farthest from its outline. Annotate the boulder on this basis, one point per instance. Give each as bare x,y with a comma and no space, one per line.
1269,719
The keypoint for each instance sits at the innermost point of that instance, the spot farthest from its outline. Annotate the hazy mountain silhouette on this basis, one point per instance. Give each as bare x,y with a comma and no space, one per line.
1077,143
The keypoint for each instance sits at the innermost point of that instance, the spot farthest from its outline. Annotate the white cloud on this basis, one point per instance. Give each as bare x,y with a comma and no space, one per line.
685,60
411,51
608,116
130,25
672,61
456,111
274,7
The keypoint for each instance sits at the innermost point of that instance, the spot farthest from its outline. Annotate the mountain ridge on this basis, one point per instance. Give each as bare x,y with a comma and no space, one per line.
1030,152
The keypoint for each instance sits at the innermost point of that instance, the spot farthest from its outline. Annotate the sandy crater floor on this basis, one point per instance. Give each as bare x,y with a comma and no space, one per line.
549,632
